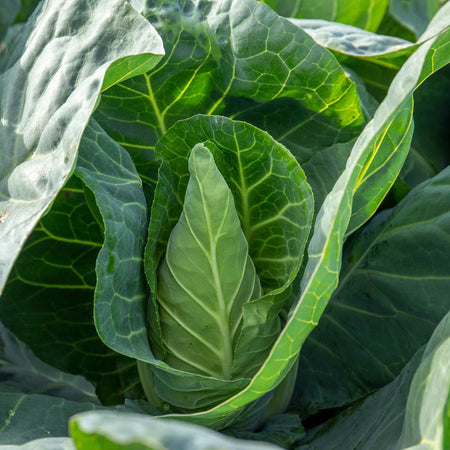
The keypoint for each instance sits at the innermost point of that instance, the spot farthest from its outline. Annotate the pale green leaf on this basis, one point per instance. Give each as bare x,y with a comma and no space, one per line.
206,276
43,444
96,431
39,133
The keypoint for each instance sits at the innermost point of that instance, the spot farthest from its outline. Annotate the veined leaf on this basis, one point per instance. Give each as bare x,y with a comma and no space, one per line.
274,204
321,274
48,299
407,413
218,55
32,416
426,416
365,14
44,112
206,276
401,293
20,369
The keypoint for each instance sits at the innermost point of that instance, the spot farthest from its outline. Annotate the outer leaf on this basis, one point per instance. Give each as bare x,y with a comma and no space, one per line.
20,369
414,401
218,54
206,276
389,150
321,272
8,12
40,134
25,417
394,284
106,430
43,444
349,42
373,424
427,408
48,300
365,14
429,153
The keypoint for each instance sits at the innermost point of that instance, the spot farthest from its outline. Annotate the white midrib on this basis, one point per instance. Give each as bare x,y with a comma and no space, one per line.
224,324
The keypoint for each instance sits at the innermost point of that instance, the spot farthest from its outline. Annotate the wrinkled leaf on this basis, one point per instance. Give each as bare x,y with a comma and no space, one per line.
39,135
274,204
321,272
218,55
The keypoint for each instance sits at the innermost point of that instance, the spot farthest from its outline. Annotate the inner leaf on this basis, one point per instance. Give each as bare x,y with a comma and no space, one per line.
206,276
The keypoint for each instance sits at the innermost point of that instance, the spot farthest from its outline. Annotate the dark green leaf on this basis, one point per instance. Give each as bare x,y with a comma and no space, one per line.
24,417
20,369
392,293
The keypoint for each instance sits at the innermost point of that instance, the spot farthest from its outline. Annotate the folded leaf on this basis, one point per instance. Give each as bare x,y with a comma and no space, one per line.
206,276
44,112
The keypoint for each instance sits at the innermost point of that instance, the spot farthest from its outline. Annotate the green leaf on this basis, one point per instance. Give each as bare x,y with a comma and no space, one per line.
282,430
20,369
394,282
43,444
429,153
373,424
389,145
274,204
414,15
48,300
202,285
365,14
24,417
218,55
407,413
427,406
106,430
40,134
8,12
321,273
